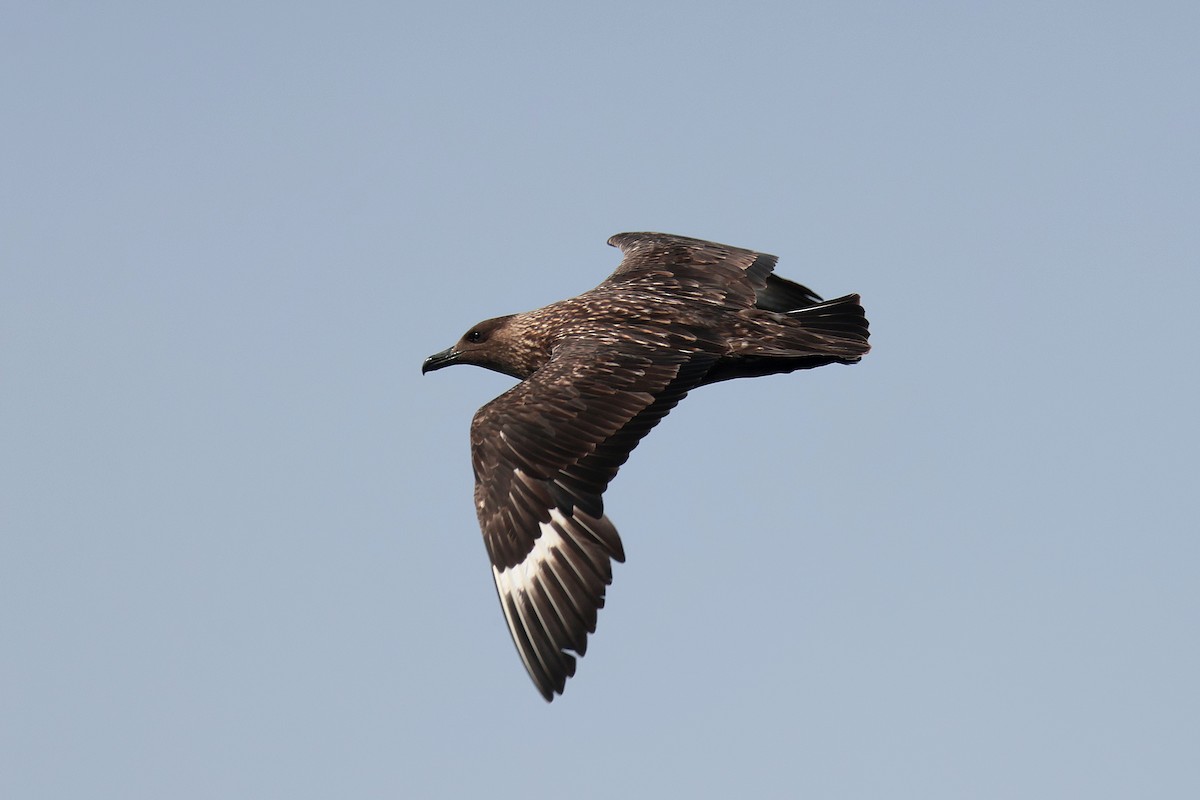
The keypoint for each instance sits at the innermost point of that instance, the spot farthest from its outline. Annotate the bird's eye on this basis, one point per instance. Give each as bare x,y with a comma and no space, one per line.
474,336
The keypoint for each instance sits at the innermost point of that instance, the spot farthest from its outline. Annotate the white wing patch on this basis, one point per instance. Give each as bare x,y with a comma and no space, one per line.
550,599
519,578
514,583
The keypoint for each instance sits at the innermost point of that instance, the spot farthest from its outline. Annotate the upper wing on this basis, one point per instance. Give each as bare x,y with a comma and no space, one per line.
731,275
543,453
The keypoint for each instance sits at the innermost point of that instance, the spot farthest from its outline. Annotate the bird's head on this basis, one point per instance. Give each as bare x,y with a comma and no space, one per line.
490,344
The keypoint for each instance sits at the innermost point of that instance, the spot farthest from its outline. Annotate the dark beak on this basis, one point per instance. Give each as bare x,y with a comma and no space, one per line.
438,360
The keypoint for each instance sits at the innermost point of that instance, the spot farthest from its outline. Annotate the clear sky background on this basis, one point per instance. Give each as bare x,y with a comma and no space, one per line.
239,556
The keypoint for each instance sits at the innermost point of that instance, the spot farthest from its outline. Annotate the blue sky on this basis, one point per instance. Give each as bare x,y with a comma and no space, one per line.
239,554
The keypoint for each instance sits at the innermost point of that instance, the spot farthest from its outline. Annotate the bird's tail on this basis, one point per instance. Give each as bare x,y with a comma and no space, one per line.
834,327
832,332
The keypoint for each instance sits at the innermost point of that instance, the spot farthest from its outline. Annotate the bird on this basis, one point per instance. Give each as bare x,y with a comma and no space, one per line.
597,372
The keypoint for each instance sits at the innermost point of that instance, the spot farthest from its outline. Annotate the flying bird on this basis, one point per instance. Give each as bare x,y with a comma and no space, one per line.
597,372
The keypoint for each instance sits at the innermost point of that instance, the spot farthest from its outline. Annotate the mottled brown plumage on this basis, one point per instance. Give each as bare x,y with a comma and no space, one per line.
597,372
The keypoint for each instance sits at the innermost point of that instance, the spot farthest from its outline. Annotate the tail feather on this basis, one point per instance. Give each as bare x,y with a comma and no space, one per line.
843,317
783,295
836,327
832,332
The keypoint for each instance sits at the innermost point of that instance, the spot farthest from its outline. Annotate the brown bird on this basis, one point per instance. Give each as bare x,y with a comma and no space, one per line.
597,372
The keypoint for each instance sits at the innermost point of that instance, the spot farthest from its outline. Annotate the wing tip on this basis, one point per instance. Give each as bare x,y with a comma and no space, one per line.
551,599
